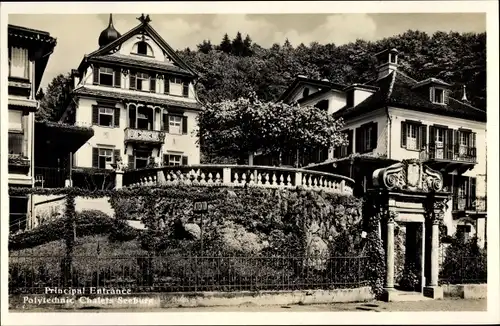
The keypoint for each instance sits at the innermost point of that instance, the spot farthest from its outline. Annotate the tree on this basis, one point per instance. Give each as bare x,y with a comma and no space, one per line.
225,45
205,46
56,98
238,47
238,128
247,46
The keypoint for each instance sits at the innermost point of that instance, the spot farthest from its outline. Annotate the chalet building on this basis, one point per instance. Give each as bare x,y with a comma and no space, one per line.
395,117
29,51
139,98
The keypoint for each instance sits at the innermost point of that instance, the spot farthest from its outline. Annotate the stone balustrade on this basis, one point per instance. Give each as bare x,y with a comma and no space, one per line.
239,176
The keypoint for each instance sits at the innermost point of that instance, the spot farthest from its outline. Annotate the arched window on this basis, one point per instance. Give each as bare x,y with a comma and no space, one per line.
143,48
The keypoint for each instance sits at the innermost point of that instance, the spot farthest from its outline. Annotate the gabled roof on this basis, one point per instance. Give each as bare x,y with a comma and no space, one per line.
396,89
143,27
302,80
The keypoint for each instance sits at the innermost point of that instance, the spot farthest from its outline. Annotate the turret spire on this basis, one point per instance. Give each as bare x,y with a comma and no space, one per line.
110,20
464,96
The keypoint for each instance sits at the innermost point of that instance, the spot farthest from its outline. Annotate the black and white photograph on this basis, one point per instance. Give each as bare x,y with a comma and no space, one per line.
249,158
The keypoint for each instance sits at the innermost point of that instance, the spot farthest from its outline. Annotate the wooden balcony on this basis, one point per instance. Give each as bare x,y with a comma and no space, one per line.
239,176
449,157
144,136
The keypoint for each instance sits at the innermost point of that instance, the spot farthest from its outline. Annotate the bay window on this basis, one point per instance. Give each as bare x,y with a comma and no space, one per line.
18,63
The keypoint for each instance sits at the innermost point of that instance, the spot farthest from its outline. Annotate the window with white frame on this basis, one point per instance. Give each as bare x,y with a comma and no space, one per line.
105,156
106,76
175,124
106,117
174,160
438,96
18,63
411,136
142,159
142,80
464,138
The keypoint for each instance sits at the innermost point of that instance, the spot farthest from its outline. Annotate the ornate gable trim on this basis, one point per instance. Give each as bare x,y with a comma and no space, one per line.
409,175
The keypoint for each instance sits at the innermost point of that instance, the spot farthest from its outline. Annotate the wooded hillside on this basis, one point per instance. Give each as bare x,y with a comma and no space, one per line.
235,68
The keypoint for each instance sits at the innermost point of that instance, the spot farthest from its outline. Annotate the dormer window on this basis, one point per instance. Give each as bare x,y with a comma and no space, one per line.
305,92
437,95
143,48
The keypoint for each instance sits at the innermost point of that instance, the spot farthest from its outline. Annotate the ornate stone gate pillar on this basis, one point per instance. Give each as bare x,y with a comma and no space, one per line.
433,290
389,281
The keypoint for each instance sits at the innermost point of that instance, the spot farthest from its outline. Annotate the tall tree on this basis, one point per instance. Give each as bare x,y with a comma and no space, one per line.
247,46
205,46
56,98
225,45
238,47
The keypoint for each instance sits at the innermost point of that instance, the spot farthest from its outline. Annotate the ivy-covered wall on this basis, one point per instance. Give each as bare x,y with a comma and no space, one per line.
252,220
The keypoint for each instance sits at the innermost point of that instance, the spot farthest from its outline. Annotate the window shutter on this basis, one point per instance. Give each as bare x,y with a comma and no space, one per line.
95,157
133,80
118,78
456,140
423,136
166,81
359,140
152,84
472,192
404,127
184,160
350,136
184,125
95,114
165,159
131,163
96,75
117,117
116,154
374,136
446,94
185,89
472,145
166,122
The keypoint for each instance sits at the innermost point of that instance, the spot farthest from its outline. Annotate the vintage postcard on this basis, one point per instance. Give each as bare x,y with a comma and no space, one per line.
194,163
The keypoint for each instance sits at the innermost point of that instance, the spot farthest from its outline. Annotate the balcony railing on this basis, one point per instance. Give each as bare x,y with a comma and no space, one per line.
449,152
239,176
467,203
140,135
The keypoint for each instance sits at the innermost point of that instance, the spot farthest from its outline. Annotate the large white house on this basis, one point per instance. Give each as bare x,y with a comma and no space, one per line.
395,117
139,97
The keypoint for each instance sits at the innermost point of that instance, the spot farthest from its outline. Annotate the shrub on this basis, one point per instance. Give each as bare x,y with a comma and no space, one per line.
464,262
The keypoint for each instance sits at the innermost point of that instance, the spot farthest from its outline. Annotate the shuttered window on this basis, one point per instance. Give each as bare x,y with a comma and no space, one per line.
413,135
366,137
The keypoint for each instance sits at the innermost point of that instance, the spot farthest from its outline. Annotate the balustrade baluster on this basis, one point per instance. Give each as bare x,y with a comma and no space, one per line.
252,177
236,181
259,179
203,181
210,178
288,180
243,178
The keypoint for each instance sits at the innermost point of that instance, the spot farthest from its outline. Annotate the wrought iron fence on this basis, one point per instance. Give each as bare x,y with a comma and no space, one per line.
47,177
464,270
32,274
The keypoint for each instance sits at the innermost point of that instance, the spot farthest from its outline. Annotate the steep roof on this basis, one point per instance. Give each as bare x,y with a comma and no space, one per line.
397,90
145,28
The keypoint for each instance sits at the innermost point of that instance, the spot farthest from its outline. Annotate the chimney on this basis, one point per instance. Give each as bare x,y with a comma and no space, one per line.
387,62
464,96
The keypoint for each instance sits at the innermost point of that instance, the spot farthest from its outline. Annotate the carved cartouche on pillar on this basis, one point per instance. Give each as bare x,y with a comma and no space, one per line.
439,209
408,175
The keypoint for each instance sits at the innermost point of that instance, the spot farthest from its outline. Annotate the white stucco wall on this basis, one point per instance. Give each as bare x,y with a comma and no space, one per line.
399,153
378,116
114,138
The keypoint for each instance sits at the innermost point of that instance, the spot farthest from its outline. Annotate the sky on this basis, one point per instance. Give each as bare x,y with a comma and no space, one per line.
77,35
